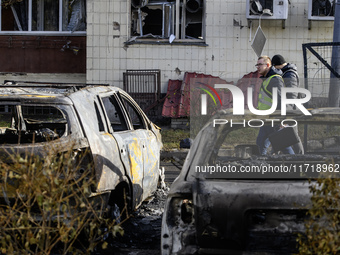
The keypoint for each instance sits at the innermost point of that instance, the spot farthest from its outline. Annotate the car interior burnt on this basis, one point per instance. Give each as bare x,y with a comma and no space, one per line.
237,147
31,123
320,138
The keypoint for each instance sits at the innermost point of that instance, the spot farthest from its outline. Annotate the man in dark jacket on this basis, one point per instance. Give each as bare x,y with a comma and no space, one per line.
291,80
289,74
271,79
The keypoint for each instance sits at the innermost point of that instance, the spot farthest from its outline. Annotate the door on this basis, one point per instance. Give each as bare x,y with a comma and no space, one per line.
150,144
130,143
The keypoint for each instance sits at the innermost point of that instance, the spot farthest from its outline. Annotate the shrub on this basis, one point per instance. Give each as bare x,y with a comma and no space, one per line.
322,235
47,205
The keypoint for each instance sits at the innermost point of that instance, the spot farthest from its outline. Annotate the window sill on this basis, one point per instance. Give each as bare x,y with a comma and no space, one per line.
44,33
190,42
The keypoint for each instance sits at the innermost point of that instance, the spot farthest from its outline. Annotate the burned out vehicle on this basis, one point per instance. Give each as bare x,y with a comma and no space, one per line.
230,200
123,144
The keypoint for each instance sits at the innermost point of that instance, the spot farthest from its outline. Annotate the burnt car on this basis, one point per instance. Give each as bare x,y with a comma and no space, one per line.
123,144
228,199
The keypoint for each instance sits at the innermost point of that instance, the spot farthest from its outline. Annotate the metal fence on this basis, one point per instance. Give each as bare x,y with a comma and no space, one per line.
318,70
144,86
320,76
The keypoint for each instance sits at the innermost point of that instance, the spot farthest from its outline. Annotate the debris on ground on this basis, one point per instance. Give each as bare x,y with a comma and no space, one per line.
142,231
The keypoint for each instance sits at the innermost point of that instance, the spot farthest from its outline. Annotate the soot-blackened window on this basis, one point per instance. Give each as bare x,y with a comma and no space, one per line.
179,20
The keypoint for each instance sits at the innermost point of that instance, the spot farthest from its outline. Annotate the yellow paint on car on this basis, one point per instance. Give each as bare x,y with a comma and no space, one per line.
135,156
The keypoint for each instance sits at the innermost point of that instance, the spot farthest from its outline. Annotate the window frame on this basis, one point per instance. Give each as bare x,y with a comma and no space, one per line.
177,28
36,32
102,125
124,121
124,99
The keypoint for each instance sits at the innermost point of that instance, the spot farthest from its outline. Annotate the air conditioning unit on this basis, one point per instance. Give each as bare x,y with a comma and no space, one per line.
267,9
321,9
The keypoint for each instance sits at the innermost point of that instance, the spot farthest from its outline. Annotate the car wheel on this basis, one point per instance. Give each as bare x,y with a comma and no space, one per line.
119,205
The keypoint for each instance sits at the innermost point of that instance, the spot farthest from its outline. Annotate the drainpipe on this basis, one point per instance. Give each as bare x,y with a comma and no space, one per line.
177,19
334,85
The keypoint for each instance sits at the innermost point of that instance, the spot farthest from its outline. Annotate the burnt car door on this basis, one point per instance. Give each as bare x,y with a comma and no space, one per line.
150,145
108,165
130,142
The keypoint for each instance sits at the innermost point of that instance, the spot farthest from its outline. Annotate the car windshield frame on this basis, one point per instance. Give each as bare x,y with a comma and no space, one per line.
213,137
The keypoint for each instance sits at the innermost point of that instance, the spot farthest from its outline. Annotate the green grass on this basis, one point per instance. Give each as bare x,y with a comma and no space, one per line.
171,138
242,136
4,123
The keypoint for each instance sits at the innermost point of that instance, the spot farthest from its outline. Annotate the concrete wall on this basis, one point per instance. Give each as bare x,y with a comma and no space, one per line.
228,55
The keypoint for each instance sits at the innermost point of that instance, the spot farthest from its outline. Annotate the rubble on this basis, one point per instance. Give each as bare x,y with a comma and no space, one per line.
142,232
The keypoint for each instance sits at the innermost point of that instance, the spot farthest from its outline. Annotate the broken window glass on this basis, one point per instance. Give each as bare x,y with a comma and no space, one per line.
135,117
31,123
114,114
183,19
43,15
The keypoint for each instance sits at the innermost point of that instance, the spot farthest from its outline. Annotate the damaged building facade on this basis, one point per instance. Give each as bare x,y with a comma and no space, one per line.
211,37
97,41
43,40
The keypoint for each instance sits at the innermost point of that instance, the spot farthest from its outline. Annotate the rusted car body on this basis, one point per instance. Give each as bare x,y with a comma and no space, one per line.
124,144
230,212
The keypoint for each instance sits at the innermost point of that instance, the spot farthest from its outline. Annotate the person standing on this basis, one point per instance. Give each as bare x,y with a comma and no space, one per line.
271,79
289,74
291,80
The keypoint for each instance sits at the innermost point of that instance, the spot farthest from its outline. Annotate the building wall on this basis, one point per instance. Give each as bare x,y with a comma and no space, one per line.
228,55
43,77
43,54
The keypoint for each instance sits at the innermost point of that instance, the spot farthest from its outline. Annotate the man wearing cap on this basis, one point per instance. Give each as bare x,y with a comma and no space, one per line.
271,79
289,74
291,80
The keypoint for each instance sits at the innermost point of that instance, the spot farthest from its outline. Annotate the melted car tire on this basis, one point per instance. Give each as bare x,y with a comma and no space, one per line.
120,197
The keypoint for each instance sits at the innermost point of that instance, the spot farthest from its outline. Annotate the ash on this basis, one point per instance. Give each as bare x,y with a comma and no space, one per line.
142,232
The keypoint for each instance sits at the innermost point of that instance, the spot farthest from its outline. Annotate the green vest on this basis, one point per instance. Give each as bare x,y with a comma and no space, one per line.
265,97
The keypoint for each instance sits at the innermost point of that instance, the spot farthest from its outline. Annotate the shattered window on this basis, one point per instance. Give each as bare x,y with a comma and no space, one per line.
167,20
43,15
114,114
135,117
31,123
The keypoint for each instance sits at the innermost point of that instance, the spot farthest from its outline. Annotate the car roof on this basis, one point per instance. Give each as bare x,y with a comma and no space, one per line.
48,92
